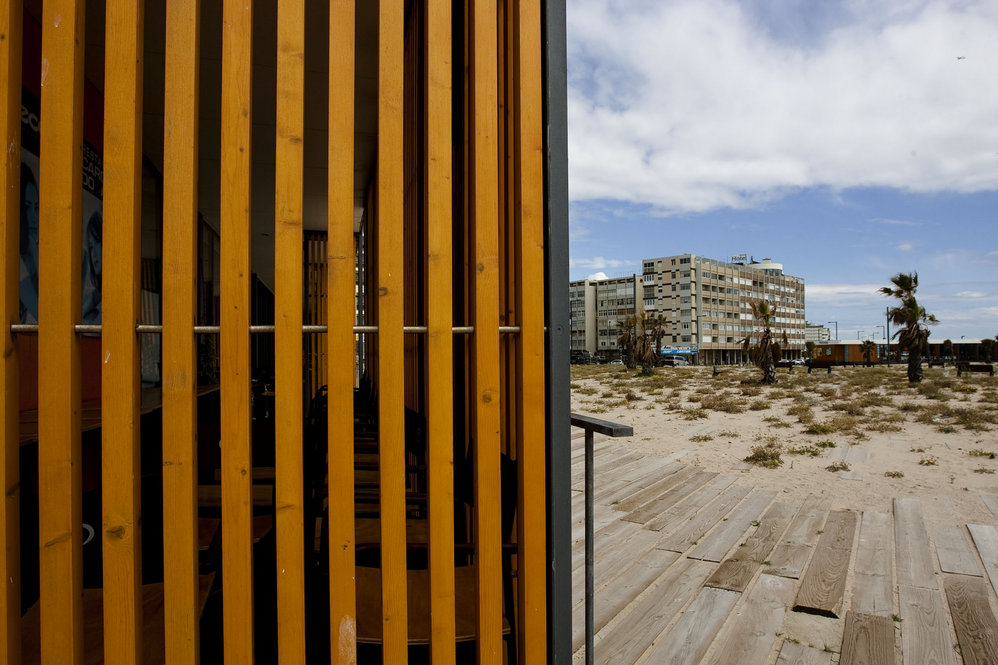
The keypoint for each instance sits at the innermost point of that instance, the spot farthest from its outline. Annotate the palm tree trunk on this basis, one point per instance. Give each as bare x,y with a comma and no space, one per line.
768,371
914,365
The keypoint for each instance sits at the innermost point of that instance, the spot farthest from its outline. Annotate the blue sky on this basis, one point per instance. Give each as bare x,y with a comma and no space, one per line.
849,140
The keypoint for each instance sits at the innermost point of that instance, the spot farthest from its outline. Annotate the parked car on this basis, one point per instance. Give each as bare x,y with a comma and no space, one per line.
674,361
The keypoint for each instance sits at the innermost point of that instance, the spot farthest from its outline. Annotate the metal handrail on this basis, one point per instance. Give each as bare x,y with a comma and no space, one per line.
592,426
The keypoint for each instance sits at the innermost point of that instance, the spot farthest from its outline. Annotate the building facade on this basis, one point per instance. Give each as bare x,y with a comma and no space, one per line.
816,333
596,307
707,304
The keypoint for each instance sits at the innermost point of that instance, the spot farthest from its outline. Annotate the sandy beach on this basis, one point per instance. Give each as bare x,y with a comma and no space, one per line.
936,441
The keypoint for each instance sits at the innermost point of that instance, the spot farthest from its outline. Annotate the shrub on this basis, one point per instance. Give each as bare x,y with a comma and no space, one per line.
767,456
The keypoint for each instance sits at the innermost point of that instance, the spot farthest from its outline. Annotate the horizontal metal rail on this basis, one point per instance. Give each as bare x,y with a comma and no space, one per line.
593,426
146,328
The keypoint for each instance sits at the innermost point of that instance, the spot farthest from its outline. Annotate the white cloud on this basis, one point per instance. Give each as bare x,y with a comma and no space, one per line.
971,294
897,222
689,105
841,294
599,263
906,247
597,276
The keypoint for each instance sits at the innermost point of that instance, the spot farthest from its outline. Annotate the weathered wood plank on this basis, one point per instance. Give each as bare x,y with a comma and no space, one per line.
689,533
613,561
986,540
976,627
607,470
749,635
737,571
732,527
612,600
790,556
60,555
798,654
991,501
666,511
634,481
643,485
911,545
180,251
868,640
823,585
925,636
341,258
873,576
954,552
120,370
10,266
645,620
688,640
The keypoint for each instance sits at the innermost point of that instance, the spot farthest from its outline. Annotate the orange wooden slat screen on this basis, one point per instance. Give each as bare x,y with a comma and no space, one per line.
528,153
180,252
120,432
439,321
235,220
59,238
341,346
390,276
486,404
288,240
10,135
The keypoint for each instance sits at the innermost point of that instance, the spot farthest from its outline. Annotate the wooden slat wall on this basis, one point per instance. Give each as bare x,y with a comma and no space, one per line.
486,389
180,256
390,292
528,217
10,482
342,305
120,431
439,320
443,241
288,239
235,221
59,459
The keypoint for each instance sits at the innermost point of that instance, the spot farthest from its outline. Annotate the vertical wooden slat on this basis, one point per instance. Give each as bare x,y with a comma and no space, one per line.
180,253
60,187
288,240
485,343
10,135
528,155
391,291
341,313
439,321
120,398
235,219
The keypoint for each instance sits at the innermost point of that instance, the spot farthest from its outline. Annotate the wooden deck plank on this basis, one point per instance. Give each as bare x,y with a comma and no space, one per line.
991,502
664,513
607,470
737,571
621,488
873,574
955,553
627,639
693,530
925,636
868,640
689,639
986,540
790,556
749,636
609,602
613,561
733,527
976,627
911,545
635,495
823,585
798,654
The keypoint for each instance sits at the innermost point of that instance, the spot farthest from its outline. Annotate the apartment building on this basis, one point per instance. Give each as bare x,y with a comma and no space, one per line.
595,307
707,304
814,332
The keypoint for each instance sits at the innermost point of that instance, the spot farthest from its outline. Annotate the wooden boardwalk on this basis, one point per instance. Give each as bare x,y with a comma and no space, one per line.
693,567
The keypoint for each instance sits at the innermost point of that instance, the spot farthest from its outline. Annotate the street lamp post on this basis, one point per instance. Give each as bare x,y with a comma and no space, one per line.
882,330
859,334
836,329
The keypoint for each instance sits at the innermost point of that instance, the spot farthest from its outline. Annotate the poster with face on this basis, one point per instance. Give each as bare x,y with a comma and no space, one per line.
92,226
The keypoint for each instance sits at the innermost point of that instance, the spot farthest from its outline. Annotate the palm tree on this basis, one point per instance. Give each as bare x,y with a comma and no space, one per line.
765,351
911,319
626,339
809,349
868,348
